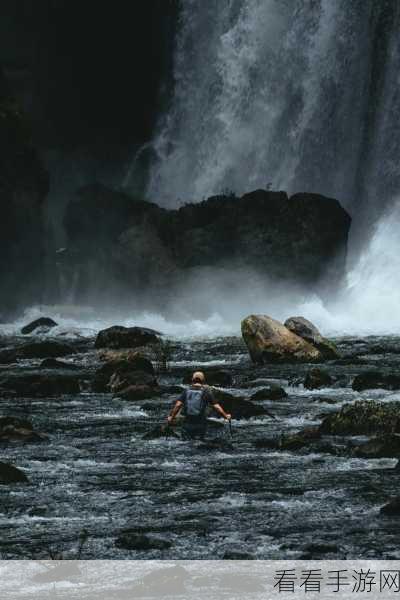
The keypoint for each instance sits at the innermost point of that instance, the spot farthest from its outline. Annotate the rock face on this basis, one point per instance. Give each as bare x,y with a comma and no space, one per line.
375,380
309,332
126,337
364,418
23,188
268,341
137,246
44,324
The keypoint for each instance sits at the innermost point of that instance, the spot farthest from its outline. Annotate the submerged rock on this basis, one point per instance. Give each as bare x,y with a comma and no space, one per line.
268,341
309,332
10,474
316,379
43,349
392,508
117,337
295,441
43,323
238,407
364,418
129,540
38,384
13,429
273,392
375,380
387,446
53,363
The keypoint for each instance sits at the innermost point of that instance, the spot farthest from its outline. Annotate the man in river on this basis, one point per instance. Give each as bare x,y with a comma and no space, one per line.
194,402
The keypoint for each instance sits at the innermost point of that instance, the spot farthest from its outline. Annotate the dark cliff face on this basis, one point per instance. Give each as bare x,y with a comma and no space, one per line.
123,248
23,187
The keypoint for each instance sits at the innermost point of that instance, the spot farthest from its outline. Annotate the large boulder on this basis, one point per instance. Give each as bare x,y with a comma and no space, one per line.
137,392
117,337
10,474
140,248
376,380
116,375
268,341
309,332
364,418
41,325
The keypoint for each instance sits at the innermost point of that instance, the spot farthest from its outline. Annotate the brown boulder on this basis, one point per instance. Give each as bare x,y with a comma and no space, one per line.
268,341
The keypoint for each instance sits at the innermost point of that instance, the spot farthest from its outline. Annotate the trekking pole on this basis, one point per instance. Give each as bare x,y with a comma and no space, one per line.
230,428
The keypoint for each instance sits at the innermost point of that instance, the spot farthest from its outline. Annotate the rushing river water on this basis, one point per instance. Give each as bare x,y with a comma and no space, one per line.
98,474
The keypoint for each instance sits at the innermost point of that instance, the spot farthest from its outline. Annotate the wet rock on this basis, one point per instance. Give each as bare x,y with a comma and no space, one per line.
161,431
137,392
53,363
392,508
268,341
43,349
122,379
137,370
316,379
295,441
13,429
10,474
171,389
237,555
117,337
238,407
319,548
218,377
309,332
43,323
267,443
387,446
364,418
138,541
273,392
38,384
375,380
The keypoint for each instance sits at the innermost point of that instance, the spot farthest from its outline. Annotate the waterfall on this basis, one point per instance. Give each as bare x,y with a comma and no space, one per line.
301,95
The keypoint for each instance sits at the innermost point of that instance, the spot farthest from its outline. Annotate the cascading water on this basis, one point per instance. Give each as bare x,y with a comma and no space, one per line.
301,95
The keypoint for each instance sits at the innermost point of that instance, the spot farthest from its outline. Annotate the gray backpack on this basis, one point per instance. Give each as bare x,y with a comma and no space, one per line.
194,403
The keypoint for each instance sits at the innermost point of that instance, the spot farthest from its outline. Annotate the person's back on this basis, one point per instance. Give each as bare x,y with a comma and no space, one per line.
194,402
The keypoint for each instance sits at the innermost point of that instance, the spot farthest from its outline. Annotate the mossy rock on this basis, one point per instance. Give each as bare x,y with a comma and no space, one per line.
364,418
